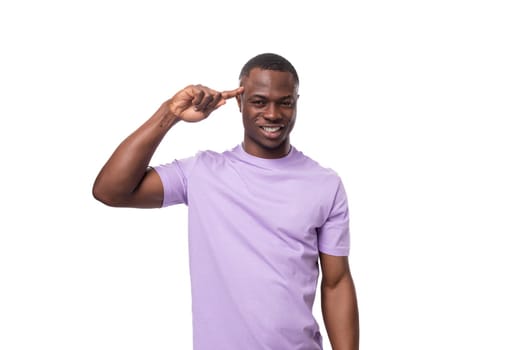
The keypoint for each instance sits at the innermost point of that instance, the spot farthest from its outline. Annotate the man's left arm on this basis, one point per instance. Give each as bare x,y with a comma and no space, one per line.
339,303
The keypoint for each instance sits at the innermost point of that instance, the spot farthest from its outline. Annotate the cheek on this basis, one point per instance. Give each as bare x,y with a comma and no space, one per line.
291,117
291,124
251,114
246,120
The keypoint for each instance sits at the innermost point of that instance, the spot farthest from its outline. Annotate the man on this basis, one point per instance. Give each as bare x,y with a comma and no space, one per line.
261,215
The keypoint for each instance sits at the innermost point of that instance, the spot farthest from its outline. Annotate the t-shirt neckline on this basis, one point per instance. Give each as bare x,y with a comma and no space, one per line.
272,162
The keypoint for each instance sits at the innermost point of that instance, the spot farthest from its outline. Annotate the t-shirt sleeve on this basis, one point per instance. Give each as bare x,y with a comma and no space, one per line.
334,235
174,177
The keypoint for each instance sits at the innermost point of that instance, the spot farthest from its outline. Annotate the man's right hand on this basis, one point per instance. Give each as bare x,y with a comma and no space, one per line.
196,102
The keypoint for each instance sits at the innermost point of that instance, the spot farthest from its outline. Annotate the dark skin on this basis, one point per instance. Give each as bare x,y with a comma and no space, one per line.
268,102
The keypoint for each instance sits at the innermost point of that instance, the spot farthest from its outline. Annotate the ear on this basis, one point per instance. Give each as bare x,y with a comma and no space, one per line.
238,98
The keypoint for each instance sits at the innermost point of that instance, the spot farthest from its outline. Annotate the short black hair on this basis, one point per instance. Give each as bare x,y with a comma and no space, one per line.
269,61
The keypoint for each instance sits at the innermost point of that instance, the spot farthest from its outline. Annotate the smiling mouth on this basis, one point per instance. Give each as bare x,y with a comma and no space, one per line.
271,128
272,132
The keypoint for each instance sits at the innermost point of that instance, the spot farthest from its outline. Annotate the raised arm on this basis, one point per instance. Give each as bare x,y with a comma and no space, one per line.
339,303
125,180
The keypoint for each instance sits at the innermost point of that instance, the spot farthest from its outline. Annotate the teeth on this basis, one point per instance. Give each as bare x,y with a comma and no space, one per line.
271,128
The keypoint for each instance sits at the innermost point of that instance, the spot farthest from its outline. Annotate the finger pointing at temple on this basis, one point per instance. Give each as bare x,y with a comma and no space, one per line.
232,93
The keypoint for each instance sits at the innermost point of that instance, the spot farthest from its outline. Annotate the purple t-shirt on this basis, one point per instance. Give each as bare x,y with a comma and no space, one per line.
256,227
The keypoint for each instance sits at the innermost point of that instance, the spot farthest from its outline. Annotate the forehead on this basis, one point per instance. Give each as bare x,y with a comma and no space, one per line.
266,82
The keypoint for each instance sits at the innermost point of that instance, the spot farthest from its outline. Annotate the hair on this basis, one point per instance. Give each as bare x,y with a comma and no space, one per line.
269,61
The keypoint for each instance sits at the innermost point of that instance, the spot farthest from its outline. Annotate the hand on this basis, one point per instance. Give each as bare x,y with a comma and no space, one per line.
196,102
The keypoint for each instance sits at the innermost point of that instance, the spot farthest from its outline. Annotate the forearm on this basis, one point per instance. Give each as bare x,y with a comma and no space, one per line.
340,314
126,167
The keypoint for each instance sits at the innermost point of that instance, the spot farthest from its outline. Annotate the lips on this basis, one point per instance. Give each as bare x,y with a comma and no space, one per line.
271,131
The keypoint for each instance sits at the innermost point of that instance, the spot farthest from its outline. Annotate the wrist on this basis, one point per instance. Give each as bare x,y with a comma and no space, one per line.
164,118
168,114
170,110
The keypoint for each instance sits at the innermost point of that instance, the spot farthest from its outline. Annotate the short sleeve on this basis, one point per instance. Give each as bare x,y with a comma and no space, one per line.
174,177
334,234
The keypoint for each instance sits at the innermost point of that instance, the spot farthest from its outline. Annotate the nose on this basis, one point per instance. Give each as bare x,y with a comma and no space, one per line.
271,112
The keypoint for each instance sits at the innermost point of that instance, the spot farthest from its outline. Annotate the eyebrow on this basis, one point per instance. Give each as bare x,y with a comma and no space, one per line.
266,97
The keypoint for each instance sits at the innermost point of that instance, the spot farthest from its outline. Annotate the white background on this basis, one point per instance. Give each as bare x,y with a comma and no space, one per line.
417,104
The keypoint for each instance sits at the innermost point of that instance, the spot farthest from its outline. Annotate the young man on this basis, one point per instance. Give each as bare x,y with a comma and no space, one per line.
261,215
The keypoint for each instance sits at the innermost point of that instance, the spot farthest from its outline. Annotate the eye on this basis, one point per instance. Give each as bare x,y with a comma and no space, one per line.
287,103
258,103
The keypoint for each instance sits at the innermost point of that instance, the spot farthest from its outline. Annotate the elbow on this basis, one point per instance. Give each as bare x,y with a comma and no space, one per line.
336,281
100,196
105,197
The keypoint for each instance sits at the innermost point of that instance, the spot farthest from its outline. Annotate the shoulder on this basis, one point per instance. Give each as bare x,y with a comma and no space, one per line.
210,160
187,163
316,168
210,156
322,180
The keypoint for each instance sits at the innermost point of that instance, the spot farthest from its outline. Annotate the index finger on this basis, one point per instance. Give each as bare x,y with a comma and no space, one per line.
232,93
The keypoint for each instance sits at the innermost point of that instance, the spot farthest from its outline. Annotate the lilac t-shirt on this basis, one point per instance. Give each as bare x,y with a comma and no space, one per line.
256,227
